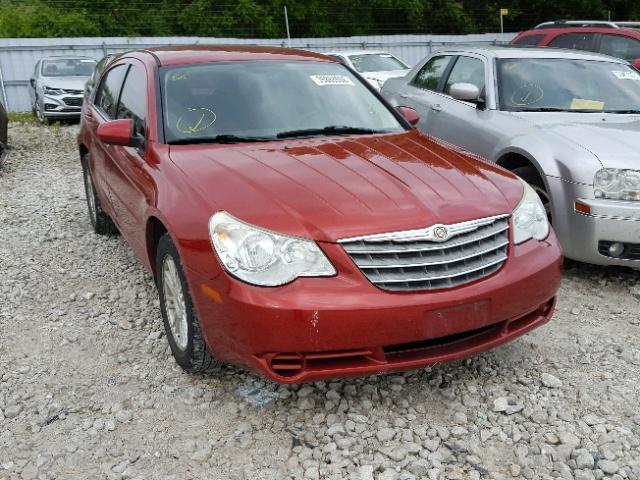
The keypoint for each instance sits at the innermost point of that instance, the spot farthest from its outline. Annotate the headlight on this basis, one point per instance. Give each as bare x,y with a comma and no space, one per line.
617,184
262,257
53,91
529,217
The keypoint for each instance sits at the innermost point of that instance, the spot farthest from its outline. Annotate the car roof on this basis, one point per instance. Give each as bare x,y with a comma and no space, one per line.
357,52
68,57
549,31
532,52
186,54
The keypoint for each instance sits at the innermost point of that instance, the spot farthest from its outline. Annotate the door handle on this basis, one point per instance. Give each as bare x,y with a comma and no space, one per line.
404,95
436,107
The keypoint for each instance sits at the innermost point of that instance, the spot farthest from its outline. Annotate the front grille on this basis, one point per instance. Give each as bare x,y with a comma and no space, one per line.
417,260
73,101
72,91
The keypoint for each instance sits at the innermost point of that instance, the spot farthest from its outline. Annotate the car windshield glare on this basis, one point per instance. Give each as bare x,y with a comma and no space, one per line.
266,98
558,84
376,62
68,67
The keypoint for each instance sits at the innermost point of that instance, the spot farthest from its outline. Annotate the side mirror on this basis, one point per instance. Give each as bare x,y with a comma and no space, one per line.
409,114
120,132
636,63
466,92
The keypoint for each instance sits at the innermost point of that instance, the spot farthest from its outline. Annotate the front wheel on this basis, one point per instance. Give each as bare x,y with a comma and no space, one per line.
39,111
178,314
530,175
100,221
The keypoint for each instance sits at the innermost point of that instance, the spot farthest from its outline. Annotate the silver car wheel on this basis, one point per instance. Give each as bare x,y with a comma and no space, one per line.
39,112
174,303
545,198
91,195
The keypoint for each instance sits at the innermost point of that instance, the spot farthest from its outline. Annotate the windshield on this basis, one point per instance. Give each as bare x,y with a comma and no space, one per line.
545,84
267,99
68,67
376,62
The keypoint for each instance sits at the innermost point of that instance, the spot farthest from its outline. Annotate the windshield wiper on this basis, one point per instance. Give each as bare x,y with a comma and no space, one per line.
331,130
621,111
544,109
555,109
227,138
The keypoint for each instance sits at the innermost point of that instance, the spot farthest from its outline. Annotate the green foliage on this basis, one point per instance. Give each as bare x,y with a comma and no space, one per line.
307,18
22,117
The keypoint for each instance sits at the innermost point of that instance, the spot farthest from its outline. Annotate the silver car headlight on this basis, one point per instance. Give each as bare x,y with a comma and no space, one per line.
529,217
53,91
262,257
617,184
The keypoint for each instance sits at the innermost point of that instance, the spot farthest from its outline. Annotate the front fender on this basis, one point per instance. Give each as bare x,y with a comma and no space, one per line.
552,157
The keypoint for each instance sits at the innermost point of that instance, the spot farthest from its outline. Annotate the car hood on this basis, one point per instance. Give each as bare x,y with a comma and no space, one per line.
70,83
614,139
333,188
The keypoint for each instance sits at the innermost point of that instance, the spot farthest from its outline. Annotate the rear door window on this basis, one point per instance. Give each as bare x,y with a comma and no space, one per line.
109,92
429,76
574,41
528,40
619,46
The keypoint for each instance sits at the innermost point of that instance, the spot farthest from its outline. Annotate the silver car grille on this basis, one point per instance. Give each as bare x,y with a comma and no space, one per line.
73,101
440,256
72,91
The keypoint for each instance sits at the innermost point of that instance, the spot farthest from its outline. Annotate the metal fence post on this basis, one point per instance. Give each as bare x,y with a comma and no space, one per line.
4,92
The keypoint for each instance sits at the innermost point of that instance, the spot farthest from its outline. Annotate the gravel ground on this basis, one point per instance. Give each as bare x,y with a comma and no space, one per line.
89,390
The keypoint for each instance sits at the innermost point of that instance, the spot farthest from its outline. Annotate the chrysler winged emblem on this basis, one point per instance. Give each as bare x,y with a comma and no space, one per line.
440,233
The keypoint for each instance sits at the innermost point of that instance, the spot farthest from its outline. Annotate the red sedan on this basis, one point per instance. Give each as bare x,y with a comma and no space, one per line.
299,226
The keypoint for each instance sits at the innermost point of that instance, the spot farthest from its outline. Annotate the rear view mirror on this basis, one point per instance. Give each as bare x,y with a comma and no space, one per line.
467,92
409,114
119,132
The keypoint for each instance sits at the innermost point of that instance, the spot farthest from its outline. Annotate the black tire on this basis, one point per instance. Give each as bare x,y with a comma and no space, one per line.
100,221
194,356
40,116
530,175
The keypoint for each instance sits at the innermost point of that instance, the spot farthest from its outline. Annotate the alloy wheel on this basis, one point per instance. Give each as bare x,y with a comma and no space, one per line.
545,198
174,303
91,195
39,112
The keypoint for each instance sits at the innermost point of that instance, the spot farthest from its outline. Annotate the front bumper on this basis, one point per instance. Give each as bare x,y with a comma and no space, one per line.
583,235
318,328
62,106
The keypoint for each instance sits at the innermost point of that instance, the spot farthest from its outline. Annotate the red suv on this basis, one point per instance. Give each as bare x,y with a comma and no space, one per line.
298,225
610,38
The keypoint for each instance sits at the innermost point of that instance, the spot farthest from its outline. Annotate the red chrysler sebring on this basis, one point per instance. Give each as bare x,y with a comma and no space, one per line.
298,226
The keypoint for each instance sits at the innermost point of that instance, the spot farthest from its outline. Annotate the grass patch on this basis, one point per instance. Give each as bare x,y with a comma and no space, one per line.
22,117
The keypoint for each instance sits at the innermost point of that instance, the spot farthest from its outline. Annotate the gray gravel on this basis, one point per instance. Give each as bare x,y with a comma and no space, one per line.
88,389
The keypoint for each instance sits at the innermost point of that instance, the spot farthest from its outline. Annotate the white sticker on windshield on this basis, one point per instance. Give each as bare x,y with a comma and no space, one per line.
626,75
322,80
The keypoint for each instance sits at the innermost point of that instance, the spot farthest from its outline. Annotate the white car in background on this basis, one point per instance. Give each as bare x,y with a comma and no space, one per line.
375,66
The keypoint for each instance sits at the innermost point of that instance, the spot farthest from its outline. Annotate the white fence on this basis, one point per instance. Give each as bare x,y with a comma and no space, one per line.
18,56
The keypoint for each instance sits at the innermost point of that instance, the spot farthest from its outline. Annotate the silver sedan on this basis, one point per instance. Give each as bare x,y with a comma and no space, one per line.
567,122
57,86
